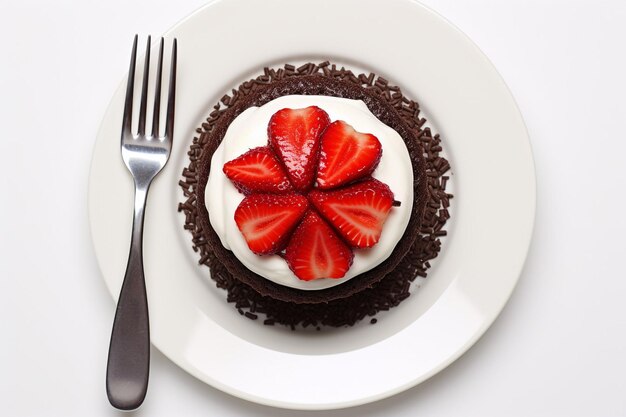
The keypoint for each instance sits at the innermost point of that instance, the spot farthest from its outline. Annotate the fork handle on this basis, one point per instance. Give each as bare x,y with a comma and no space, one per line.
128,363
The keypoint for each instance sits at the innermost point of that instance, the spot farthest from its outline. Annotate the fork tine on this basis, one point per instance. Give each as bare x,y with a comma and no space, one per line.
171,97
144,92
128,103
157,94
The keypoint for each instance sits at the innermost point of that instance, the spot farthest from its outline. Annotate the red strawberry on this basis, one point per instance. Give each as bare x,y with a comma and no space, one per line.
267,220
357,211
315,251
346,155
259,171
294,136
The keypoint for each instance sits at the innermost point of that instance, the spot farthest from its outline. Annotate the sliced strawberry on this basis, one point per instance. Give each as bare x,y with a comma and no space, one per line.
258,171
315,251
294,135
346,155
267,220
357,211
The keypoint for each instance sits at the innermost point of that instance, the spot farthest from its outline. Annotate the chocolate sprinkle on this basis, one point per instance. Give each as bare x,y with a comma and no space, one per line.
384,293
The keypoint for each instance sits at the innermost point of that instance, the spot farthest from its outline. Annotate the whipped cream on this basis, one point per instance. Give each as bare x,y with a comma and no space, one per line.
249,130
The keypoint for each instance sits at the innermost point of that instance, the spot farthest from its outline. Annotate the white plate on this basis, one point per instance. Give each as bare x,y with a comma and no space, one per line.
466,101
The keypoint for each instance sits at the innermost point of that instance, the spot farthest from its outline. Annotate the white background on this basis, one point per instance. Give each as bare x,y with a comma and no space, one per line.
559,346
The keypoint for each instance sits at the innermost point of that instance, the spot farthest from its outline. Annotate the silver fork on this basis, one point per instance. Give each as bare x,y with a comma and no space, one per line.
144,155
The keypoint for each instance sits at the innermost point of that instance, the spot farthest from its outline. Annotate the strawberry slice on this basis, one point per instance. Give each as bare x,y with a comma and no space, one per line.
346,155
357,211
258,171
315,251
294,135
267,220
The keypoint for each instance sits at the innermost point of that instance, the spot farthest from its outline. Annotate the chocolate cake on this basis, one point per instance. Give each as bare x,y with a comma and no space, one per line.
380,288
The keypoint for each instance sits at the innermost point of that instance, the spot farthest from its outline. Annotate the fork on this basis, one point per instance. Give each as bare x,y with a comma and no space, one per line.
144,155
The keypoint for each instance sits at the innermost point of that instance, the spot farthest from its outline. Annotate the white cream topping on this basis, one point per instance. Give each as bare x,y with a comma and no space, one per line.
249,130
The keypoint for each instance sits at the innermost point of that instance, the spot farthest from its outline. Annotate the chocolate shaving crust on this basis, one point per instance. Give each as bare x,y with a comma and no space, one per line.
392,108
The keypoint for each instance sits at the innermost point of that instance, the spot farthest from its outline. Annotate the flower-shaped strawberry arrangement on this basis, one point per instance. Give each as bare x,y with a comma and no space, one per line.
309,194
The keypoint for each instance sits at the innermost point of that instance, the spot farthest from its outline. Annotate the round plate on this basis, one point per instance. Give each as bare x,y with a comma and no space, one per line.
229,41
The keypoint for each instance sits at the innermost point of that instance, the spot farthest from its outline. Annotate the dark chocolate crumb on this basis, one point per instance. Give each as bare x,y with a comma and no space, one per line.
251,315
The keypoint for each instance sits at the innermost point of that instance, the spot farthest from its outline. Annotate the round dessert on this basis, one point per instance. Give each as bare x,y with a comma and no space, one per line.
324,233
